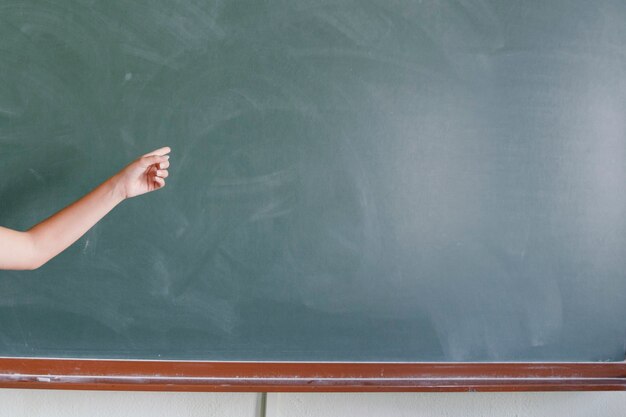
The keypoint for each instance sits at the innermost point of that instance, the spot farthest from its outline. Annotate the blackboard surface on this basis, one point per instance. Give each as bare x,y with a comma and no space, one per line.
370,180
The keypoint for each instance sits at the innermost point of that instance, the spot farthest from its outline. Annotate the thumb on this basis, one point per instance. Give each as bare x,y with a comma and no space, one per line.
146,161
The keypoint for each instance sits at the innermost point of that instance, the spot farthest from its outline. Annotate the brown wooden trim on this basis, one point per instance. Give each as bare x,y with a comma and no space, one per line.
307,376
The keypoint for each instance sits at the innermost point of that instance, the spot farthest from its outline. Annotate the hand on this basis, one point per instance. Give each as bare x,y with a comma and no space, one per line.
145,174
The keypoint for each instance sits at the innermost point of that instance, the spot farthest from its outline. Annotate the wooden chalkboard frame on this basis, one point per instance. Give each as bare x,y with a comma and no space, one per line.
140,375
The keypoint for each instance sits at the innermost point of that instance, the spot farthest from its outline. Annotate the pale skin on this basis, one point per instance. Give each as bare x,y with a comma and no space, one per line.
33,248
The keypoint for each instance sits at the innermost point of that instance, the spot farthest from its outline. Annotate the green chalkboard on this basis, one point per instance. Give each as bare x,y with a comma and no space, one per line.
351,180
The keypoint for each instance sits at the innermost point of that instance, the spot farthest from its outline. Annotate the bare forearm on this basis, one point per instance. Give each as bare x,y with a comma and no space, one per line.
56,233
31,249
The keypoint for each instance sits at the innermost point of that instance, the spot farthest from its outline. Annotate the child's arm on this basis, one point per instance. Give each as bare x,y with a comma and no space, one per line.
31,249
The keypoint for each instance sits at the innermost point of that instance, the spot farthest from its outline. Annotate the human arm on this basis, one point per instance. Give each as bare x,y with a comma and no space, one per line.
35,247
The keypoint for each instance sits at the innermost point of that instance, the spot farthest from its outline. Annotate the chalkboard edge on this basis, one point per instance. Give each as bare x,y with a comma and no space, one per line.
142,375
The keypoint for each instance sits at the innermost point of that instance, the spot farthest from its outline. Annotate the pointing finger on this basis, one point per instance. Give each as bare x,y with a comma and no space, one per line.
161,151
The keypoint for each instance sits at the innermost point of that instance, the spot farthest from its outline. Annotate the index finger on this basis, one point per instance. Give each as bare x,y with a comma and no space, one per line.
160,152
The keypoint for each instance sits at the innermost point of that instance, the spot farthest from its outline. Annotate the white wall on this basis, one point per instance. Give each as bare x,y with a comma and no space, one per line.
35,403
